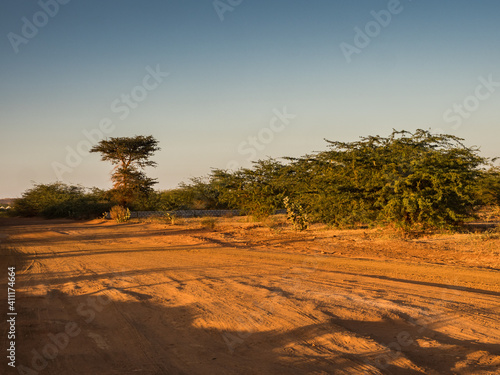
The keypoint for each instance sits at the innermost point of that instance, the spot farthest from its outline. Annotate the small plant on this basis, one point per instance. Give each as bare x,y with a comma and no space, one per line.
120,214
209,222
177,220
172,219
296,215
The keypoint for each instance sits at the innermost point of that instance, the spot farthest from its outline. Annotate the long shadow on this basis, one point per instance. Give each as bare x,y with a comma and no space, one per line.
166,248
141,336
9,257
403,337
113,232
106,235
221,242
60,278
416,282
22,222
81,253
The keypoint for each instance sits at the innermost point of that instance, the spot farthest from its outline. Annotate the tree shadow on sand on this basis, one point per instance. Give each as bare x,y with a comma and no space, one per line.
126,332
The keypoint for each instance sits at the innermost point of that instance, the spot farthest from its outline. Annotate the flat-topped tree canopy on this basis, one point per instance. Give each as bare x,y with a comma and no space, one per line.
129,155
128,151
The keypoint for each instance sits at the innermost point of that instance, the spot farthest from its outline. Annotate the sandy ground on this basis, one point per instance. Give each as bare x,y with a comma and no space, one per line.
96,297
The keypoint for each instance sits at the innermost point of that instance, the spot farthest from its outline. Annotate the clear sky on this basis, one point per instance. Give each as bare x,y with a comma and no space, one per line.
246,80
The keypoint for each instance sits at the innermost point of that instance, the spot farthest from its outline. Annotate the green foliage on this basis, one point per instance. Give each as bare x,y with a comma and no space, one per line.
199,194
6,213
147,202
258,191
296,215
202,194
406,180
175,199
58,200
120,214
129,155
488,187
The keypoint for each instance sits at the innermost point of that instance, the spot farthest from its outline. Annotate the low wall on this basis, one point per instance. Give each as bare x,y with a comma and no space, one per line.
192,213
187,213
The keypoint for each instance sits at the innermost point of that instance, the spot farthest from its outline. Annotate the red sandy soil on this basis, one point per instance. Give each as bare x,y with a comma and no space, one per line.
97,297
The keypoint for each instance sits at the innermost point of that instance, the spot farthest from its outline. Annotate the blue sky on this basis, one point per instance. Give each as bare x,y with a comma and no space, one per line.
230,71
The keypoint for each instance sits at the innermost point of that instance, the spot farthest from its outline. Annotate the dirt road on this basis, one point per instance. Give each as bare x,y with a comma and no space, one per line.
101,298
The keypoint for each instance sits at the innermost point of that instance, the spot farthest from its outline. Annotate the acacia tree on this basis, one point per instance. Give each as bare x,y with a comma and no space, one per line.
129,155
409,180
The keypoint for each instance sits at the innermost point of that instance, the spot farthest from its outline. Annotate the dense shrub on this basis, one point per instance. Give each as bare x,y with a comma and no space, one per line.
58,200
296,215
258,191
406,180
199,194
146,202
488,187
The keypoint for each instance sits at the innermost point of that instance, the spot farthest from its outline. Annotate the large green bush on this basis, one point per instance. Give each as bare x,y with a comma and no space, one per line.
406,180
